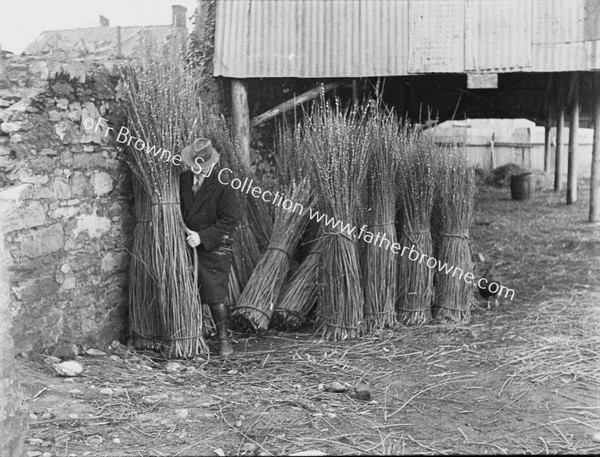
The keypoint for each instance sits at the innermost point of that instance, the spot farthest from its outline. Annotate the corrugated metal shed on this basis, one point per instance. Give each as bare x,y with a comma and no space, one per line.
333,38
360,38
486,46
436,37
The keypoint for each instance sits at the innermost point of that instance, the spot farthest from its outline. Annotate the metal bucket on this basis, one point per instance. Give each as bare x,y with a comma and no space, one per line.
522,187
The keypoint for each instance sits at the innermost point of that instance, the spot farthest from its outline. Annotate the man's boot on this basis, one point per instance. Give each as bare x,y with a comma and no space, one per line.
220,315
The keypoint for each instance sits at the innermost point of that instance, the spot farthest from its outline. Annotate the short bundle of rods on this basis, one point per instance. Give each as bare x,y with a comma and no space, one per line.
301,292
339,146
258,300
165,309
416,187
455,200
380,266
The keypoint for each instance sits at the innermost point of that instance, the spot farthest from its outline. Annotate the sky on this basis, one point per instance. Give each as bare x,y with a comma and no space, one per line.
22,21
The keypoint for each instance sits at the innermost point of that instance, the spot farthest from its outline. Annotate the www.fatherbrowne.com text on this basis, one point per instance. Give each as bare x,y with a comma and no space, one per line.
275,198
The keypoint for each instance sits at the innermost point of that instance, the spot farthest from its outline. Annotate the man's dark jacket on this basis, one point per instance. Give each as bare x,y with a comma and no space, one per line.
214,213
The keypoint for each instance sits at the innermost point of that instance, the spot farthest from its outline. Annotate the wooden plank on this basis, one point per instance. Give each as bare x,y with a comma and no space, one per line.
289,104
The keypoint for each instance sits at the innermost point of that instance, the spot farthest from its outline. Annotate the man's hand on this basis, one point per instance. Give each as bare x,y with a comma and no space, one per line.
193,239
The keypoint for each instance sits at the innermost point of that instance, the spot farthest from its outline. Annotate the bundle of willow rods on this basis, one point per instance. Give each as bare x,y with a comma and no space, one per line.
455,200
380,266
301,292
144,314
416,180
339,145
257,301
161,92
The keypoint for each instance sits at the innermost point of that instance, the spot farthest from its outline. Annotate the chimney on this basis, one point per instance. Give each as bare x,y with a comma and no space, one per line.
103,21
179,19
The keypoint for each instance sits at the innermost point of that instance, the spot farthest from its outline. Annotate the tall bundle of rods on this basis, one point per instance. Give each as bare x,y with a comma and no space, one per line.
416,179
455,200
339,144
258,300
301,290
165,310
380,267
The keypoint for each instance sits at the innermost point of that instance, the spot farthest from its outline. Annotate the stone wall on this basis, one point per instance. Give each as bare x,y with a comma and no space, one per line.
65,202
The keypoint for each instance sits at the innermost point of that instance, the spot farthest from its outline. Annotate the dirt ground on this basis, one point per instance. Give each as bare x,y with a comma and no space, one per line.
522,378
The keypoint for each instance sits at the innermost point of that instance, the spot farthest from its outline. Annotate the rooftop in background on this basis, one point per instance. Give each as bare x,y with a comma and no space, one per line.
362,38
106,41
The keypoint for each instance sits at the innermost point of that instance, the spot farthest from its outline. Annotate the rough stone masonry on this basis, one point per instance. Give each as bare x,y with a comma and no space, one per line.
65,203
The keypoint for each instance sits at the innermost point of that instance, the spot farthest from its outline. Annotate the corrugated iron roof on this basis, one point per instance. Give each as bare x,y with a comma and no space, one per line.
359,38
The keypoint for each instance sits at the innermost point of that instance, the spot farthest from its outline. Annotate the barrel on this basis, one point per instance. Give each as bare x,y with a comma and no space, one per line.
522,187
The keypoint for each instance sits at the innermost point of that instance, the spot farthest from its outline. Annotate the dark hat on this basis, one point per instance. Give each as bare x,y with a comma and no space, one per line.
200,156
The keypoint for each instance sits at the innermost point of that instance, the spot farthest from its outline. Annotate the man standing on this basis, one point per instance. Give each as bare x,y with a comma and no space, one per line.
211,213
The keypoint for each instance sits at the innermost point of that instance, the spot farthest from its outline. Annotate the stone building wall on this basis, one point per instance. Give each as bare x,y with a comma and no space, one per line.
65,203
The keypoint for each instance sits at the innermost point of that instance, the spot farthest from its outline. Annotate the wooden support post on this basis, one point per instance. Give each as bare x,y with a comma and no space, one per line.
547,125
573,134
558,153
547,144
354,90
241,119
595,179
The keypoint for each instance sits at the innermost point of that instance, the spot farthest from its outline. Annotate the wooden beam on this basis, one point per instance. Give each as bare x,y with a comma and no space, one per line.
595,179
241,119
573,134
288,105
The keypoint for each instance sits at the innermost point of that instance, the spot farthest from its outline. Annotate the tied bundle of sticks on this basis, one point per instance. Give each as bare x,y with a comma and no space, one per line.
455,201
164,305
380,267
257,301
301,291
339,145
416,186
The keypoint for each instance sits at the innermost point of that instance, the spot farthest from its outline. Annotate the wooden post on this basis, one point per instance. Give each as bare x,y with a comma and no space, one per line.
573,134
354,90
241,119
547,125
558,153
547,146
595,179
